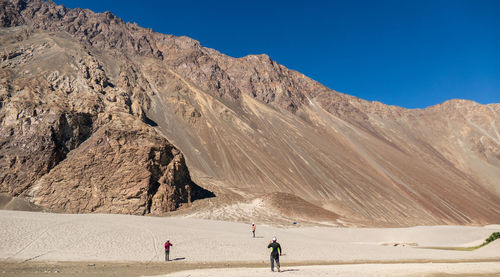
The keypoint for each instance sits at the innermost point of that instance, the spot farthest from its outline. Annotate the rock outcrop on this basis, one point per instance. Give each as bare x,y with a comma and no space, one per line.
90,107
71,140
122,168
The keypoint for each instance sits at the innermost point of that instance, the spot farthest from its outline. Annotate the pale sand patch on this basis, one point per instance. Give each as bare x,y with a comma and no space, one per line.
379,270
30,236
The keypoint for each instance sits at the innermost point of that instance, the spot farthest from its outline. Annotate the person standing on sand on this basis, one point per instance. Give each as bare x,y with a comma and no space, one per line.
253,229
167,250
275,253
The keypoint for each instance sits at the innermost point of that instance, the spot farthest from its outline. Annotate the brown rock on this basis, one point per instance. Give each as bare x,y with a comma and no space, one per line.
121,168
56,94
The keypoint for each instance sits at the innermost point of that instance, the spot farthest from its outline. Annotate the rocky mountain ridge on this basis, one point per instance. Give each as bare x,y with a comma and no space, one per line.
67,99
247,126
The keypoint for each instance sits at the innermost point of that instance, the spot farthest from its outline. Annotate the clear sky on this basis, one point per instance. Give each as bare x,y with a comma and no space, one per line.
406,53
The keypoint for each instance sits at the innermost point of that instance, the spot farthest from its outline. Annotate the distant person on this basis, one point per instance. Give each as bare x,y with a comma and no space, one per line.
253,229
167,250
275,253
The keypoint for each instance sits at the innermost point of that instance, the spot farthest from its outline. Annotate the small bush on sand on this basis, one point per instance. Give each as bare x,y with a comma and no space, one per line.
492,237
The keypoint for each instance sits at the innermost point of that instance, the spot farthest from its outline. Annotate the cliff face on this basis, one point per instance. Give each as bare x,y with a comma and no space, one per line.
88,103
121,168
73,138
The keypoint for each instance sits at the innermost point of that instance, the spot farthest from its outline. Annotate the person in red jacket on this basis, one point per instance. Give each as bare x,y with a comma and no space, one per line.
167,250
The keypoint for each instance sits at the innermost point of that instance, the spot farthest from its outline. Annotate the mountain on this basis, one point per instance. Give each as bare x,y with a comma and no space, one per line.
98,115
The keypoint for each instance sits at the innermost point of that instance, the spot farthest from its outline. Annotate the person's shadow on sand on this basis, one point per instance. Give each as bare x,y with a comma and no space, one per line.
285,270
178,259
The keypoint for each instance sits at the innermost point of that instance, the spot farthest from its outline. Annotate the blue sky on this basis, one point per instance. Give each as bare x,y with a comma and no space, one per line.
406,53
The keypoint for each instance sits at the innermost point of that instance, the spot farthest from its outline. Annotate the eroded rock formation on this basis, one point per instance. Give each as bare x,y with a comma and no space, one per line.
71,140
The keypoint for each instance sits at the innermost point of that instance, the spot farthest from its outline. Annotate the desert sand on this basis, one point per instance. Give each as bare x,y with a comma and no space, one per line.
31,237
419,269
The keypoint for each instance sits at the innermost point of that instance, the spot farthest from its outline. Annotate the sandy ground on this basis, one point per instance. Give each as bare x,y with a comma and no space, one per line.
43,240
428,269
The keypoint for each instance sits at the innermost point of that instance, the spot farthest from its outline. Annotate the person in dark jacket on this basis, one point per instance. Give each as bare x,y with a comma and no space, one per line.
275,253
167,250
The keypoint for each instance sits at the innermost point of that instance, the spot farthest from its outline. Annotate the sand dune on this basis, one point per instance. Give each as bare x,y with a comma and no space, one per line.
30,236
8,202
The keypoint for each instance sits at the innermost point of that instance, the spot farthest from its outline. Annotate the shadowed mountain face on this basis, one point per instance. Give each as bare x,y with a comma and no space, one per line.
90,106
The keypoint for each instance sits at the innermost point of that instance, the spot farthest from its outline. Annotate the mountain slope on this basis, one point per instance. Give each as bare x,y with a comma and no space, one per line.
249,127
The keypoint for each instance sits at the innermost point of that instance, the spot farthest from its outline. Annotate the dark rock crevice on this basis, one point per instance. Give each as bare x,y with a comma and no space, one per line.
170,184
